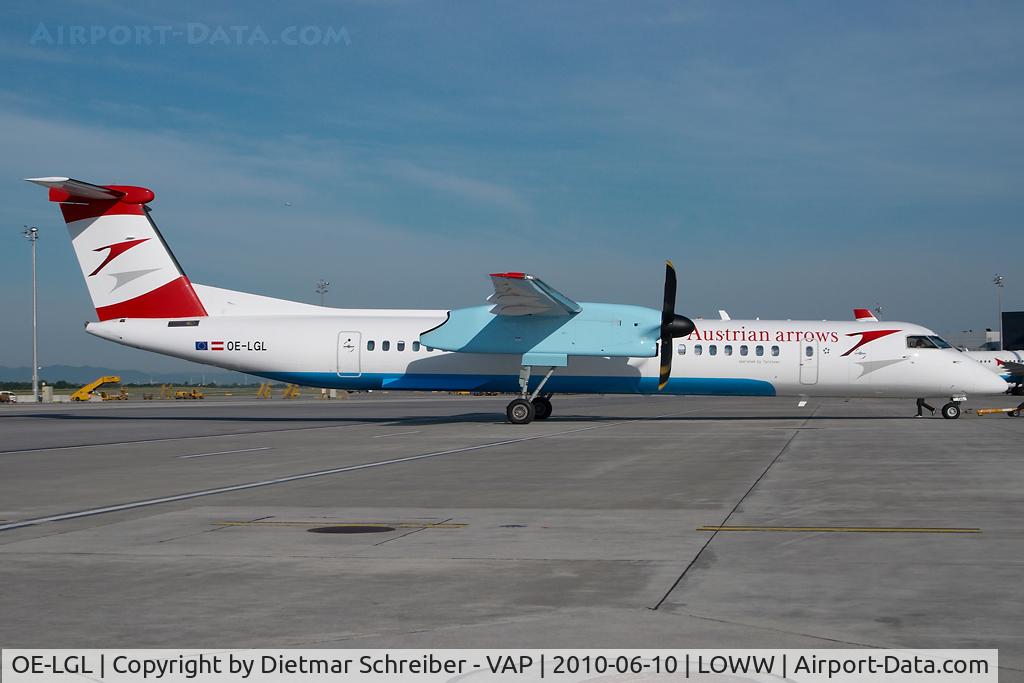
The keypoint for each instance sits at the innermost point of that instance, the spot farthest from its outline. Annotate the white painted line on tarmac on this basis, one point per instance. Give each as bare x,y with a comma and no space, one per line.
381,436
310,475
183,438
240,450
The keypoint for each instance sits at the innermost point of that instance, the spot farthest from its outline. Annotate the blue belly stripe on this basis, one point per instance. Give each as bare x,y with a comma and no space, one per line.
566,384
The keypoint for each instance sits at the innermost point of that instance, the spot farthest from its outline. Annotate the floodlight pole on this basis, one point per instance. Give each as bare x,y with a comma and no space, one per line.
998,282
322,287
32,235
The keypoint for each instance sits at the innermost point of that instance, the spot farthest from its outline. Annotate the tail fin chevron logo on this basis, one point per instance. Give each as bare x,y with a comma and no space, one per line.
116,249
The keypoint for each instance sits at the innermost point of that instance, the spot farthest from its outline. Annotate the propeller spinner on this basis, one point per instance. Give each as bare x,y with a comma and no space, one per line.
672,325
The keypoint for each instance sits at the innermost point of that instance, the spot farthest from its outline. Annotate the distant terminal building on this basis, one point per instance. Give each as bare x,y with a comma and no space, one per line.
973,340
988,339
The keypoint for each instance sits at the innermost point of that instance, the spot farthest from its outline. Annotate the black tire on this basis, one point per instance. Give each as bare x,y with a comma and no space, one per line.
951,410
541,408
520,412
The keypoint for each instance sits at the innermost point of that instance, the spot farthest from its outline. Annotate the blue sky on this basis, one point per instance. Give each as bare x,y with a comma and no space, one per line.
793,159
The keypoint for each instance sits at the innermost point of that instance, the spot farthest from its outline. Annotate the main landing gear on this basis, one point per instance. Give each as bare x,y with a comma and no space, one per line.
530,406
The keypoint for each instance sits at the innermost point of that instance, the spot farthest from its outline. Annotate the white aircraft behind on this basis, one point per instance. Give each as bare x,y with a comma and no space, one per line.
531,340
1007,364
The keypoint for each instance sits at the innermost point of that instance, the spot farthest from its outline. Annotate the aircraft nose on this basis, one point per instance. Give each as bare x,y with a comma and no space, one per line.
987,382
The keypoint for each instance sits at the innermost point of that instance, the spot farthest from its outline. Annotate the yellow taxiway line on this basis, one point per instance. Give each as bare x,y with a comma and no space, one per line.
847,529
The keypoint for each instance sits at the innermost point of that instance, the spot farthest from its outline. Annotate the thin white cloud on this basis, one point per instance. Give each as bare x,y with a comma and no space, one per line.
464,187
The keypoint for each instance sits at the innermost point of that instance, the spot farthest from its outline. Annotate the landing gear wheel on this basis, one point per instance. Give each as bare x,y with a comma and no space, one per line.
951,411
520,412
542,408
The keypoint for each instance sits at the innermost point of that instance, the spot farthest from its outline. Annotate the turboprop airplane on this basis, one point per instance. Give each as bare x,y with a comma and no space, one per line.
531,340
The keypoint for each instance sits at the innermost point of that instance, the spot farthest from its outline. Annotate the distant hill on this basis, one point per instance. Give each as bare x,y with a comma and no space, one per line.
80,374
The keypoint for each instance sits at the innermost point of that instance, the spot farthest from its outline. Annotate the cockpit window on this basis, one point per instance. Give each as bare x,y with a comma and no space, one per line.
920,342
940,342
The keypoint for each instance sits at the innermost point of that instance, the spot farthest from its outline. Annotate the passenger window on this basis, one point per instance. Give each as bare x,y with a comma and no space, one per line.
385,346
743,350
760,350
415,347
369,345
920,342
401,346
681,349
713,350
775,350
429,350
809,351
698,349
727,349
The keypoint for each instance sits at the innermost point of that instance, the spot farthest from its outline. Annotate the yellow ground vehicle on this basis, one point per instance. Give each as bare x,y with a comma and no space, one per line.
119,396
85,393
1009,412
189,395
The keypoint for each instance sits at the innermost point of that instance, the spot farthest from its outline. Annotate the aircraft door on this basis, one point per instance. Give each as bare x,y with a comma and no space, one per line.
349,345
809,362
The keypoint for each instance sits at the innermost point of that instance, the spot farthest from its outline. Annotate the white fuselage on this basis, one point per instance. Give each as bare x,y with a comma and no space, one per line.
380,349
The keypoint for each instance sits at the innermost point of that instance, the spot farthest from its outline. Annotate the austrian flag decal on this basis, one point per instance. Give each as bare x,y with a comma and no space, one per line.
209,346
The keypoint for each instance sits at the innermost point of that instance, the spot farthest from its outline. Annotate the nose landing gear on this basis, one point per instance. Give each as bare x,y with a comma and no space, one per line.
951,411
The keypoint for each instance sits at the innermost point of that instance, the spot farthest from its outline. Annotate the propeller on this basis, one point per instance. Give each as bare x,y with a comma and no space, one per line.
672,325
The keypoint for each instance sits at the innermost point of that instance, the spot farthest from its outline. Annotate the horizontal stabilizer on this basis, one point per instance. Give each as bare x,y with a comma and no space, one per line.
70,190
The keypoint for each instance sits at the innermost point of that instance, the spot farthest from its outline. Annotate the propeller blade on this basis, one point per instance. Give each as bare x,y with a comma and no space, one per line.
666,362
668,307
672,325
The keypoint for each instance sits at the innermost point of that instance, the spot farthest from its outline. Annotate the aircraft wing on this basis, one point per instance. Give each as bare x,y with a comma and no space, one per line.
522,294
1012,367
863,315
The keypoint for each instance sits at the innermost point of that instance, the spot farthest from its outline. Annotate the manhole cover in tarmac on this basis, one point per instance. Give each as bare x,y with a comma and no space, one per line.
352,529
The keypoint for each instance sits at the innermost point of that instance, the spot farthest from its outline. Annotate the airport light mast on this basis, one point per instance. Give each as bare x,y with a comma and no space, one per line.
32,235
998,282
322,287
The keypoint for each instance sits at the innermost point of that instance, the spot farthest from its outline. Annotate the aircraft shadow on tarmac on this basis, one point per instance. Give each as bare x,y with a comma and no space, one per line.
485,417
